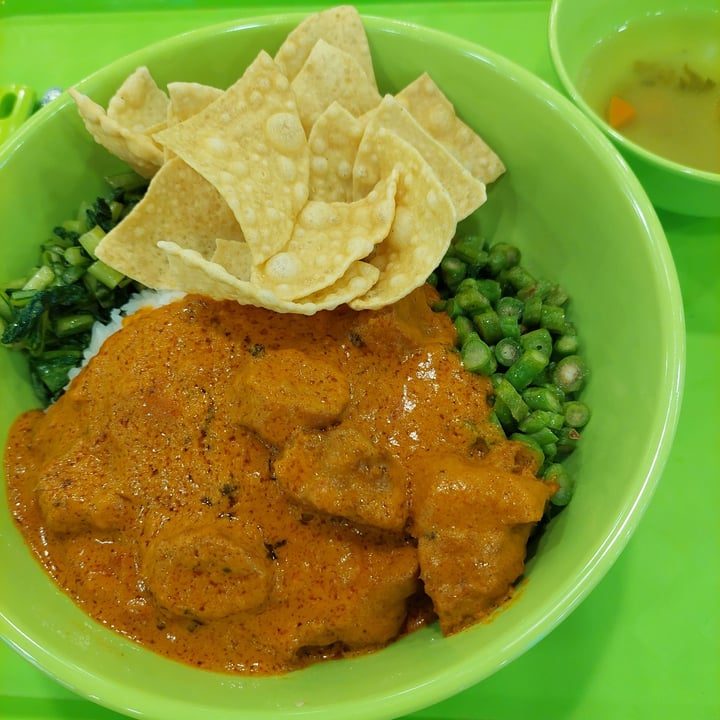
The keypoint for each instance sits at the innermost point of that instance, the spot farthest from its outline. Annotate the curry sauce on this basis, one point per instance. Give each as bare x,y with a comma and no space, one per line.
249,491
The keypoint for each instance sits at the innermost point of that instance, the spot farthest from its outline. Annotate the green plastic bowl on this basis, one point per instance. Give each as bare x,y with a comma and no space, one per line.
575,28
580,216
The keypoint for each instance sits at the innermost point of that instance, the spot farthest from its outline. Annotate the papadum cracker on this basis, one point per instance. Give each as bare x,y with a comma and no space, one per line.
423,226
138,104
300,187
356,281
467,192
340,26
332,75
235,256
432,109
187,99
250,145
180,206
135,148
334,139
191,272
327,239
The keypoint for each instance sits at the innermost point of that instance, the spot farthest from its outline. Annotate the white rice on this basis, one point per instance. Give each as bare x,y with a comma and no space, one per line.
101,332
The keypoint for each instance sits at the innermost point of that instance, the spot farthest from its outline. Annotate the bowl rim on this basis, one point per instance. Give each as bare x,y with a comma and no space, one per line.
621,140
88,683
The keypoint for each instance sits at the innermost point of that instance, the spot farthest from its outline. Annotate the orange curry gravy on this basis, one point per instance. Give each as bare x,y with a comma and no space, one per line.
248,491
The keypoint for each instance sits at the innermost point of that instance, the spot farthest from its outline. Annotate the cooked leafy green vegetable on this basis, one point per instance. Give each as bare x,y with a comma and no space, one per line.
48,314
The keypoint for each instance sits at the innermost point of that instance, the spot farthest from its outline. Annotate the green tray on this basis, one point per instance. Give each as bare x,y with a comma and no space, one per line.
646,643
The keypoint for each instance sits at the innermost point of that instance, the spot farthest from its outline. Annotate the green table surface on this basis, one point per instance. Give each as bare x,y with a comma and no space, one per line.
646,642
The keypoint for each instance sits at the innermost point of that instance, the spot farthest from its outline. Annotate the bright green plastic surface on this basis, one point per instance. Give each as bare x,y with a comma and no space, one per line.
645,643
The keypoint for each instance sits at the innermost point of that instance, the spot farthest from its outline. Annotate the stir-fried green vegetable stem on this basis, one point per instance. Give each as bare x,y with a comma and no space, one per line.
48,314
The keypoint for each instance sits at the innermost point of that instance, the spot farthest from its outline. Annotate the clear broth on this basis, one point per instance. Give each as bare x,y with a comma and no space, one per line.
668,68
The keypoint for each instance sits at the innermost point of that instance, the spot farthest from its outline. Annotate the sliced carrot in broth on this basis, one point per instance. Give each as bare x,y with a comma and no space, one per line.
620,112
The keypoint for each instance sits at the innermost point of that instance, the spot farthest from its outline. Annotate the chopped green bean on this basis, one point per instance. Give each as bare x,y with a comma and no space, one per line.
556,296
504,416
566,345
550,450
544,436
469,298
568,439
539,289
506,392
490,289
532,312
509,326
464,327
552,317
542,398
476,356
521,336
495,420
508,350
539,340
519,278
471,250
531,445
557,474
502,256
523,371
453,271
577,414
452,308
570,373
509,306
538,419
488,326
